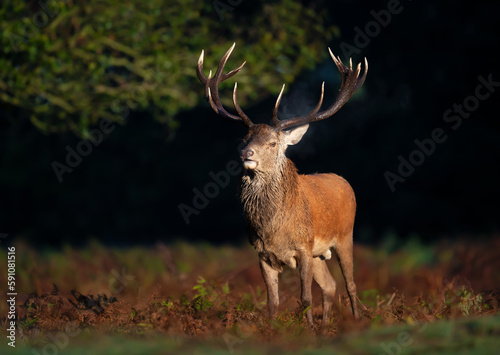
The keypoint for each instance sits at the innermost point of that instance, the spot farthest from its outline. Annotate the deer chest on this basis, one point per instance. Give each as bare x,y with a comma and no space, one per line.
277,255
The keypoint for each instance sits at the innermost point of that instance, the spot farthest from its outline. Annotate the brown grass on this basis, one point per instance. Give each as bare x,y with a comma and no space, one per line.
207,291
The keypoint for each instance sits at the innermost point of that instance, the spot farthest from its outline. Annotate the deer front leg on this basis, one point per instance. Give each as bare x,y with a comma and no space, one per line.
306,276
270,276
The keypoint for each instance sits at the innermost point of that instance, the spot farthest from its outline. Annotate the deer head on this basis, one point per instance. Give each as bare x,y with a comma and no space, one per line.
265,145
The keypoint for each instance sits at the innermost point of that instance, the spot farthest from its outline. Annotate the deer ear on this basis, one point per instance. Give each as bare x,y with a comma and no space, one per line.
294,136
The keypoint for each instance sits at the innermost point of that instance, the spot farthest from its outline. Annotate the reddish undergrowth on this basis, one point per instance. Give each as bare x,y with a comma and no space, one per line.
208,291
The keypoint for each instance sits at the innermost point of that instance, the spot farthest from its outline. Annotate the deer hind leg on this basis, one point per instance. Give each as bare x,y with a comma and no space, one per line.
345,257
324,279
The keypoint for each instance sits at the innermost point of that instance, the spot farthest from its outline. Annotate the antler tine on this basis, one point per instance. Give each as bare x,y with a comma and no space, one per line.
218,78
341,67
350,83
232,72
212,88
238,108
276,120
211,101
199,69
362,79
320,102
277,123
218,74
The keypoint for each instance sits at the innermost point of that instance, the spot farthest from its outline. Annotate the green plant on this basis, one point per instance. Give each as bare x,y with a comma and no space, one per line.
200,288
206,295
246,304
302,314
167,304
202,303
225,289
469,301
29,323
369,297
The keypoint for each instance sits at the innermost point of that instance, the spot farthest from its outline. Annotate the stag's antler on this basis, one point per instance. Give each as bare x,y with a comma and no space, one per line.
351,82
212,89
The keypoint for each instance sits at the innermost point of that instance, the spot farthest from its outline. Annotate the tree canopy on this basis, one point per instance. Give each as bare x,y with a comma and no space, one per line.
66,65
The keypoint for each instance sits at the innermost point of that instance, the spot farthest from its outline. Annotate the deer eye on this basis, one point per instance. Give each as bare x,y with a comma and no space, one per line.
272,144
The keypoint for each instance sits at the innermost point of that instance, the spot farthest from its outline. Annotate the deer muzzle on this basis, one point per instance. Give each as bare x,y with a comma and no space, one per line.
248,162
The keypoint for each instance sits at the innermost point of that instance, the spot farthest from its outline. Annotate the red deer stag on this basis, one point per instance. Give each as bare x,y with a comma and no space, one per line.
293,220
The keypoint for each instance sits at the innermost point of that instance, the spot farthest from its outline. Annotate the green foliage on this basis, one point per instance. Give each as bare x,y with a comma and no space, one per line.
290,321
200,288
76,63
303,314
28,323
225,289
369,297
206,295
469,301
202,303
167,304
247,304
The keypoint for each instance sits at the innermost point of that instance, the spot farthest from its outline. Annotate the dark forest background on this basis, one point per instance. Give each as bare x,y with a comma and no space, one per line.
128,190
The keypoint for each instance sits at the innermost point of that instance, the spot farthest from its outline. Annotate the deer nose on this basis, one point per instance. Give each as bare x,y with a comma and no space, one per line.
248,153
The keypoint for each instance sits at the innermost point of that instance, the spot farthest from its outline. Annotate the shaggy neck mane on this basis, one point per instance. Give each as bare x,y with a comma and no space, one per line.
265,195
